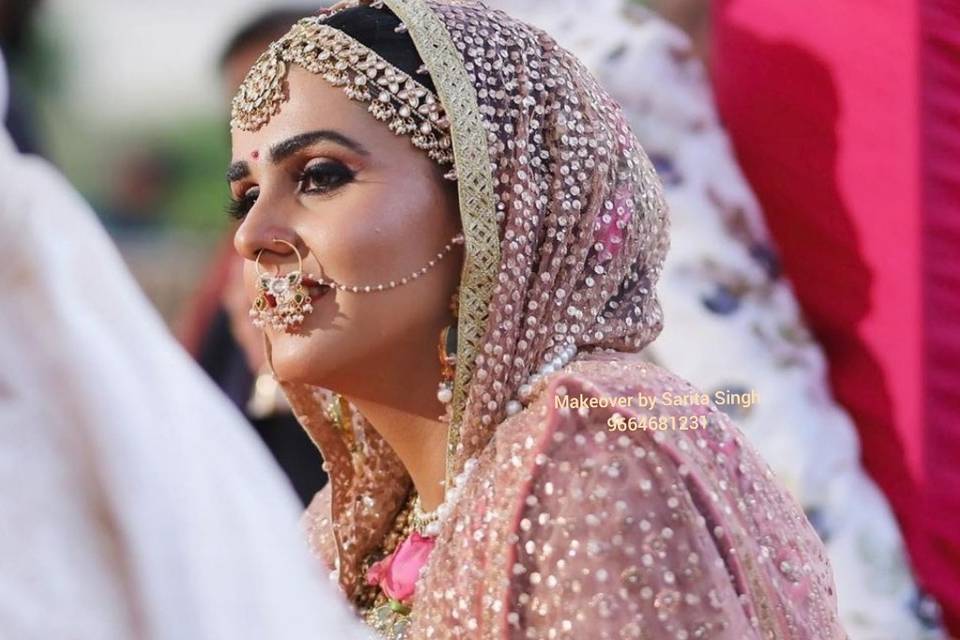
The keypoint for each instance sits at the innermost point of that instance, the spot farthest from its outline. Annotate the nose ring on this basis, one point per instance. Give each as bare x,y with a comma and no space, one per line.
282,301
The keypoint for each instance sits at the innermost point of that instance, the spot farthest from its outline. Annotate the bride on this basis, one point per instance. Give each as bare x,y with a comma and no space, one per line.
448,226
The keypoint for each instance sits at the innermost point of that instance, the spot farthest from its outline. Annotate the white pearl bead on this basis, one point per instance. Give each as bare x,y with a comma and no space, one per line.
513,407
445,394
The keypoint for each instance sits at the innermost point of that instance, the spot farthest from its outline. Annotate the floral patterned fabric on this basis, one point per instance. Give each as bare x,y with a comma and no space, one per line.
732,323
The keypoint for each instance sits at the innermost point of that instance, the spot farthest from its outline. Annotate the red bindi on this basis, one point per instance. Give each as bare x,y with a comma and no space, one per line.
254,154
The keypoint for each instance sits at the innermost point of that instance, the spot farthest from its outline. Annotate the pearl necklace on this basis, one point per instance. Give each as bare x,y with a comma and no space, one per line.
429,524
525,391
420,519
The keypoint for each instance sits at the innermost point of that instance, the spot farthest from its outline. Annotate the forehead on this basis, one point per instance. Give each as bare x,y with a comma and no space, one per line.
312,103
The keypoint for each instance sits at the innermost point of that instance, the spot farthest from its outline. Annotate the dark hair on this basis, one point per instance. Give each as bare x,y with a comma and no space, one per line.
375,28
269,25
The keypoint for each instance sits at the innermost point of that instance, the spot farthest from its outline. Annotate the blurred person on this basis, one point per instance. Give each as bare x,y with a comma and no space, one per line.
135,503
844,118
250,39
135,204
452,241
734,322
693,17
16,28
215,326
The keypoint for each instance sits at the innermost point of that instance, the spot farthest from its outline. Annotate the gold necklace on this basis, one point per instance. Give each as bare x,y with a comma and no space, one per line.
421,520
388,618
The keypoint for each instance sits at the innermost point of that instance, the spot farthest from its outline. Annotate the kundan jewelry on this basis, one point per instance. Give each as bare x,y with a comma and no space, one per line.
392,96
283,301
385,599
426,524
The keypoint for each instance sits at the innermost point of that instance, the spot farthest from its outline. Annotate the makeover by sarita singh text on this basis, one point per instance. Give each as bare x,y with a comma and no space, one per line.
720,398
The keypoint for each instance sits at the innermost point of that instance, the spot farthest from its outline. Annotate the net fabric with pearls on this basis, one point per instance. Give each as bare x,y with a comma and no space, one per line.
566,225
566,230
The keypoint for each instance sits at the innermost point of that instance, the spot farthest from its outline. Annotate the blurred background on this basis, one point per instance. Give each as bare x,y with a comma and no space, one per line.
821,138
128,100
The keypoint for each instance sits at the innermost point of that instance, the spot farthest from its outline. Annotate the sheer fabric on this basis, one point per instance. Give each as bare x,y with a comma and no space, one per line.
136,502
565,528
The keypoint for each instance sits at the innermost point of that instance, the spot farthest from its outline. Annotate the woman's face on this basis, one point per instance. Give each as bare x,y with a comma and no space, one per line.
363,206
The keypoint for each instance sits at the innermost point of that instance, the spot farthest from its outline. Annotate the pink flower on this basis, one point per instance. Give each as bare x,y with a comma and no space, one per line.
397,573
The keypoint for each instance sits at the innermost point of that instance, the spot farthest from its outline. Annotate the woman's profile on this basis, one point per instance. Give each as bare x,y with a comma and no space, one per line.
452,242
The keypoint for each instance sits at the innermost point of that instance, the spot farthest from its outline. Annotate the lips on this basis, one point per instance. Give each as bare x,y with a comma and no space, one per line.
314,288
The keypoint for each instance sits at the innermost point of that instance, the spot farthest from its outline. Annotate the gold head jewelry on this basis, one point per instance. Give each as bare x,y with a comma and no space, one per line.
393,96
282,300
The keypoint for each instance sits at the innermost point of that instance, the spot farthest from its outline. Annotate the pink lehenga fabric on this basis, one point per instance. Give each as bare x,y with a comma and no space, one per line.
564,528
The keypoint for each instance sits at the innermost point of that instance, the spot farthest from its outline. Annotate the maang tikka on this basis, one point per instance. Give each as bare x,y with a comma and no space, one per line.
392,96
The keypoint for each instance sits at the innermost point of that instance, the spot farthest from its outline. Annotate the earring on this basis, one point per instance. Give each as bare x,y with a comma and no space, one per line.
282,300
447,352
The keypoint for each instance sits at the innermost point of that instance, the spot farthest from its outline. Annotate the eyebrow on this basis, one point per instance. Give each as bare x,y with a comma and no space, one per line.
290,146
282,150
238,171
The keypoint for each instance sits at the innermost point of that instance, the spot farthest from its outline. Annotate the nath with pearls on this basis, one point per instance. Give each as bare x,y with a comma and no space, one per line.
283,301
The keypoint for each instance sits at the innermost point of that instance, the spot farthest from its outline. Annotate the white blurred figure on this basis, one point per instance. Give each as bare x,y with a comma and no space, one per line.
136,503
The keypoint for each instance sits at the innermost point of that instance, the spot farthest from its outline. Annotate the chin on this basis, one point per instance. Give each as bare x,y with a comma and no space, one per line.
291,356
311,358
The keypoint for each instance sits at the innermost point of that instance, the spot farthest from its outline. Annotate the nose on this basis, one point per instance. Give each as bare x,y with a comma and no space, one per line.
268,239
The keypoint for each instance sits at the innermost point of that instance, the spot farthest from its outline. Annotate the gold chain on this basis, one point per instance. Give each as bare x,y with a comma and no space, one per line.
421,520
371,596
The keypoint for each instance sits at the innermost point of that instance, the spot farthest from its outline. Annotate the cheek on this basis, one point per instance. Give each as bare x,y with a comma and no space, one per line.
378,233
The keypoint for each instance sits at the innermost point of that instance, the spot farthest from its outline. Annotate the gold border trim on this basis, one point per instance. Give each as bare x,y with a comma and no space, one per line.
476,191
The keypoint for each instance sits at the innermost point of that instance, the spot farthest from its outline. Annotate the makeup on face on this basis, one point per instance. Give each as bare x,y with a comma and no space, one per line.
320,177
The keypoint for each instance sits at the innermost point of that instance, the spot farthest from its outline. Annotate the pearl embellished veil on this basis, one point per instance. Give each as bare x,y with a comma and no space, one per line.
566,230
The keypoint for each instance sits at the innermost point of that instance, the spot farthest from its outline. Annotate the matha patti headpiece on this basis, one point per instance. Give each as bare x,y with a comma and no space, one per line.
393,96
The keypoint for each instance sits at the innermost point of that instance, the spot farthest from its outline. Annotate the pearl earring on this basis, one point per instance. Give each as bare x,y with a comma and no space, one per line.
447,353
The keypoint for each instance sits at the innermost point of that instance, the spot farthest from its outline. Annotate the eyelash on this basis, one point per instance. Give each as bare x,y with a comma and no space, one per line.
327,176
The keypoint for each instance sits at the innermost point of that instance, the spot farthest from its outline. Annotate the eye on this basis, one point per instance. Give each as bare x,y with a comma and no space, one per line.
324,176
237,208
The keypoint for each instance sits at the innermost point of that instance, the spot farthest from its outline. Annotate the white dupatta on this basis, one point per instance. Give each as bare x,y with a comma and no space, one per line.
136,503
